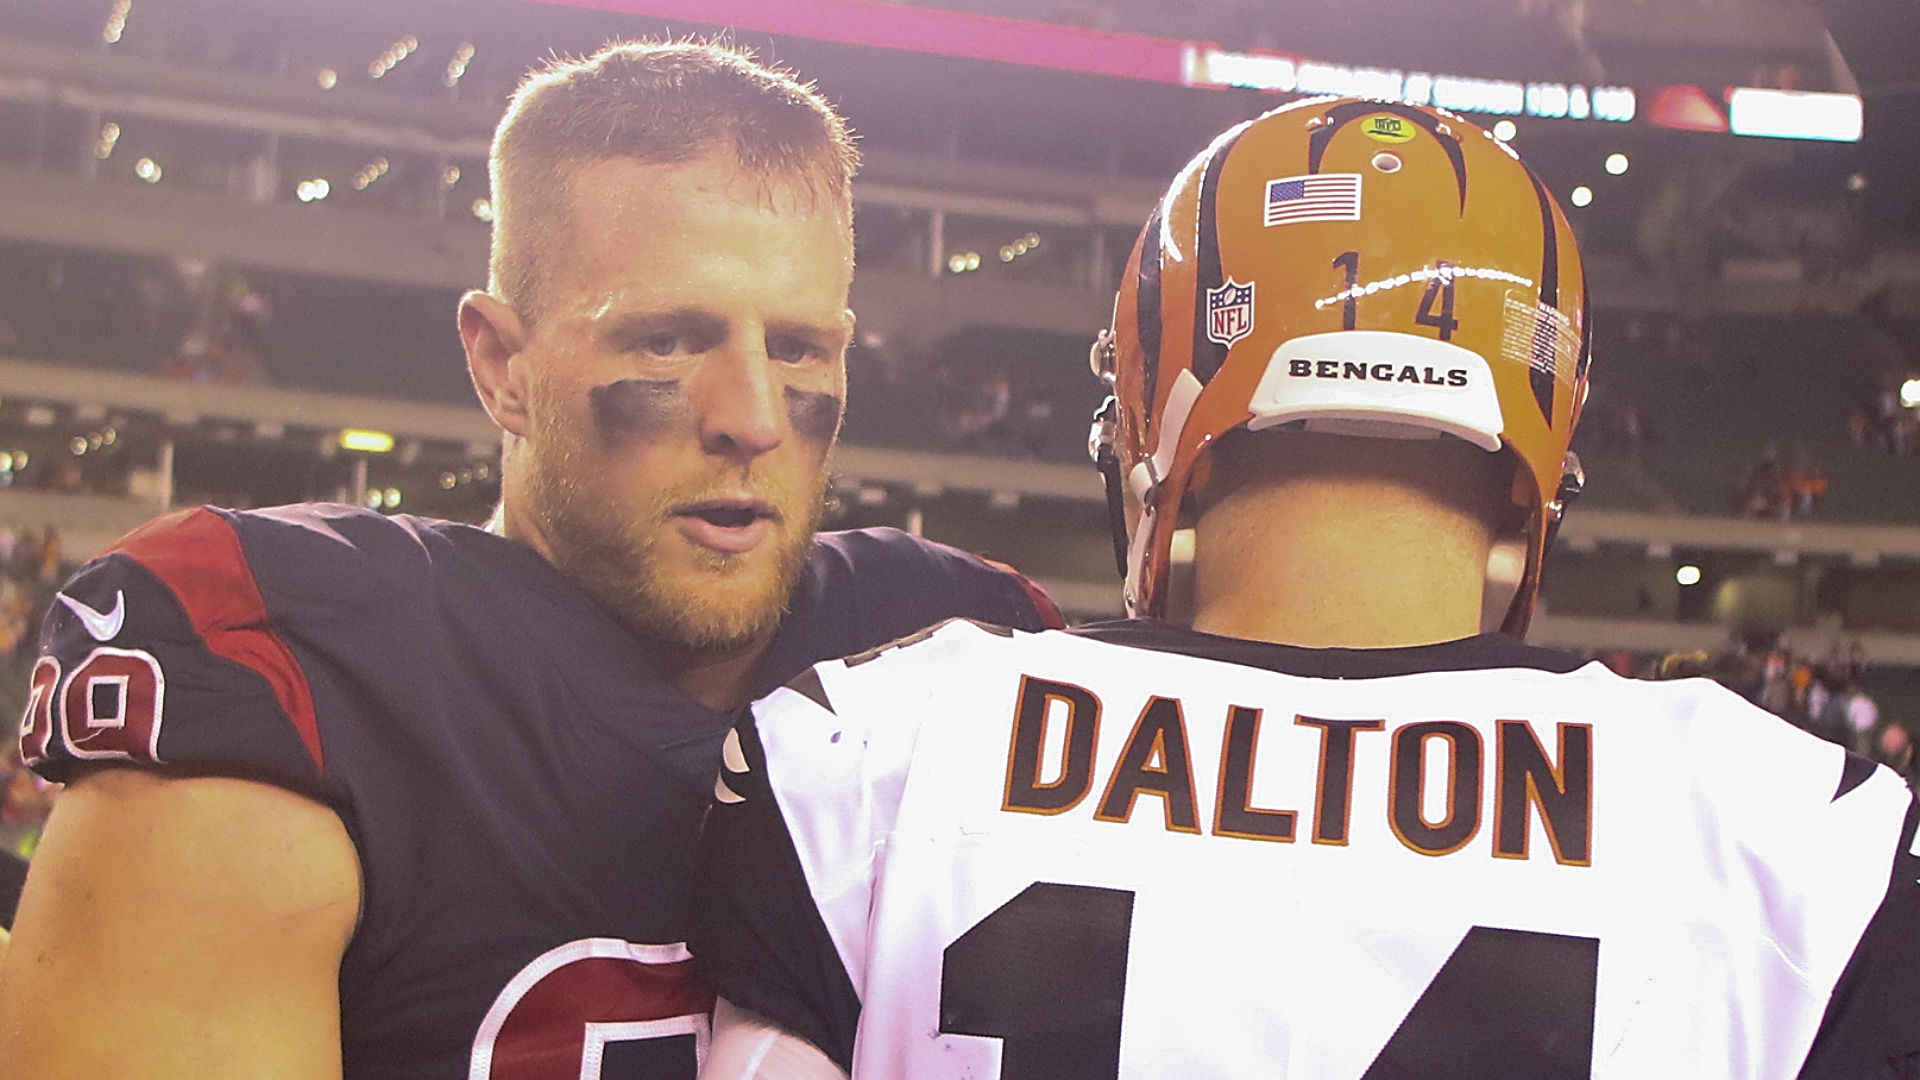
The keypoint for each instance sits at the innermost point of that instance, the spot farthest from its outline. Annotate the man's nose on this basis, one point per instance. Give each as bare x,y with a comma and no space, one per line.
742,410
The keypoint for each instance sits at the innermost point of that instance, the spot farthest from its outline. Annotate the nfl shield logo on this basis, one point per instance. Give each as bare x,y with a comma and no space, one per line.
1229,312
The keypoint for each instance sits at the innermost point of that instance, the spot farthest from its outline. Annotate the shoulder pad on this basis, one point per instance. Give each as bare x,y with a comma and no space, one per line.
161,652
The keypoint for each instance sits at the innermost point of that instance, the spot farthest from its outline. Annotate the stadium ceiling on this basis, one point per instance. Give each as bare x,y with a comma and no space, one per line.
1762,111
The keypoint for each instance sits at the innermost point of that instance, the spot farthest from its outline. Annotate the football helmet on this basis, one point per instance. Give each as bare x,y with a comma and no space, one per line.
1365,267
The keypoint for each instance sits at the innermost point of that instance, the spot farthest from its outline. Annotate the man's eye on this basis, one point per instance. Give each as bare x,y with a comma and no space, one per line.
662,344
793,352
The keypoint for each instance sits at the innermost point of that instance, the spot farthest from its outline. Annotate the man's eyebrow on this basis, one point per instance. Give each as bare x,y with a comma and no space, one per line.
829,330
699,323
631,323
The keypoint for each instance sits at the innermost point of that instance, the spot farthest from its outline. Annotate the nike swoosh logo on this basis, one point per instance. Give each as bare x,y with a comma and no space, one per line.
100,625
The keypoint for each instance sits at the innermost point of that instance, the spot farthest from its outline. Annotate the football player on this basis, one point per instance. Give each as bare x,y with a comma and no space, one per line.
389,797
1310,821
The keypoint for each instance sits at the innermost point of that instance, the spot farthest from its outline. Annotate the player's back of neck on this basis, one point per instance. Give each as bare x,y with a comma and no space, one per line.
1352,561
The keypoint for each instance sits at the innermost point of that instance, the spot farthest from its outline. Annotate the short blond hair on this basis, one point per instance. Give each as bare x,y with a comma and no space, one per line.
656,103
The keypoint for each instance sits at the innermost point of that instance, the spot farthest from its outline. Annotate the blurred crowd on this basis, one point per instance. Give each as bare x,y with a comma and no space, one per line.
1781,490
225,316
1887,423
32,566
1823,696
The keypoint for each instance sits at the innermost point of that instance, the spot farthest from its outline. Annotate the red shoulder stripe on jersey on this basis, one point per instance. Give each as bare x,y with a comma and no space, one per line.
197,554
1050,616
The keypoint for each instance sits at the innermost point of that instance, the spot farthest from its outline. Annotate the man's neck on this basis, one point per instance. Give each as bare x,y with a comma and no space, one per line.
1349,562
720,682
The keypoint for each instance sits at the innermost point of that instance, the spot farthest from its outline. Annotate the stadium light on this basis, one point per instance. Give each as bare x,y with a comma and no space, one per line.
372,442
1687,575
399,51
116,22
1910,394
371,171
147,169
457,66
1616,164
1581,196
1795,114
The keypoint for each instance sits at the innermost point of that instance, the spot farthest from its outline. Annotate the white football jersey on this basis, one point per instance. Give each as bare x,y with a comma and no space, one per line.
1146,852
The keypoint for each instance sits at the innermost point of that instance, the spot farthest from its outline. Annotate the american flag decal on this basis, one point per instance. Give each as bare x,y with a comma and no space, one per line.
1326,197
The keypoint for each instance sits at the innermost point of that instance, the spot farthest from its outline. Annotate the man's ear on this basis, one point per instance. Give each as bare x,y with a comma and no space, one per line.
493,335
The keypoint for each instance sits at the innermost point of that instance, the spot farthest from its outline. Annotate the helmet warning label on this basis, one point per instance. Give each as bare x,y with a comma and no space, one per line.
1539,336
1388,129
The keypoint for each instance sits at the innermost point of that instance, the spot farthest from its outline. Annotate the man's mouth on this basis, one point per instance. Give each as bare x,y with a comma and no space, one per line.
728,525
729,513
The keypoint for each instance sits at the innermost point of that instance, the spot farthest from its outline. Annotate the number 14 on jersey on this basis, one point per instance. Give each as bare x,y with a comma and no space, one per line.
1046,973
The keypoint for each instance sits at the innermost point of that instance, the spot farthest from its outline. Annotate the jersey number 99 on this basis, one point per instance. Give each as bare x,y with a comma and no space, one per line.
109,707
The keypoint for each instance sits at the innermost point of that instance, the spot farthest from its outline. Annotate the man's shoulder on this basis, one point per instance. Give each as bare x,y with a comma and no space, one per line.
216,640
898,567
864,588
1776,768
949,643
328,545
881,551
881,545
874,699
160,652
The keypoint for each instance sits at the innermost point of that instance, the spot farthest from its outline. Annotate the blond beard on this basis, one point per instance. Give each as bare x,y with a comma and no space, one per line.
617,558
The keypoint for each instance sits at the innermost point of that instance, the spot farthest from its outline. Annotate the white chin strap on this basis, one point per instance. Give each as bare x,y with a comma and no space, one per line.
1144,480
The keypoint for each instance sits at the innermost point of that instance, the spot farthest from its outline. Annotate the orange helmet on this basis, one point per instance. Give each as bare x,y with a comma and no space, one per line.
1368,267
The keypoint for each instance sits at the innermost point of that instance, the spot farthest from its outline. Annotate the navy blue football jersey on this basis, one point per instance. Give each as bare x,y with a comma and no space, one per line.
523,784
